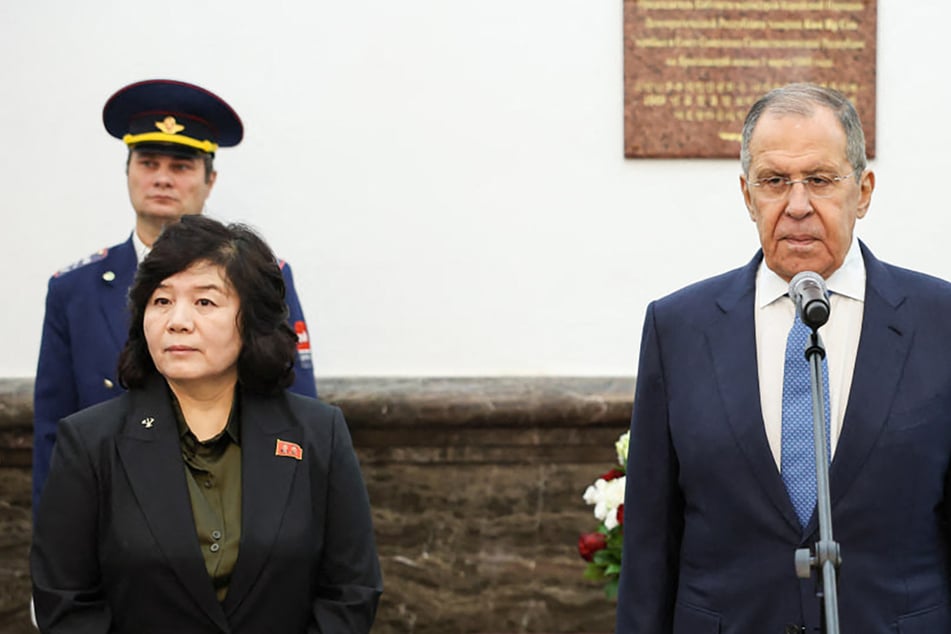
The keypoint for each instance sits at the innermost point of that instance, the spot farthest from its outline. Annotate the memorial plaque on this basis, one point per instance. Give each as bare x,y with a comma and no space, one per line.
692,68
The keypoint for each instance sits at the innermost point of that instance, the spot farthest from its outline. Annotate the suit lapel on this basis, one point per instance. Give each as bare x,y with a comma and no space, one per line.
883,349
150,451
116,272
266,480
732,341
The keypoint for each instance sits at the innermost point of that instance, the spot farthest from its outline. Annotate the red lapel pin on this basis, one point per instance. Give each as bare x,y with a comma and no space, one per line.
288,449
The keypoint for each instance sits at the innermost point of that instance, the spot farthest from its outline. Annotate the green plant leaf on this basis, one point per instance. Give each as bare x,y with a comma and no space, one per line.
603,557
593,572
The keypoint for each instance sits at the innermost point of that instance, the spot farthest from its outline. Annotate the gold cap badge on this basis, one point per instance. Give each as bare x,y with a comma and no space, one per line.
169,125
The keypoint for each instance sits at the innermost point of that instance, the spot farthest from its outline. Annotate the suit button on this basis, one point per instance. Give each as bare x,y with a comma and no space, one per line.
215,547
794,629
216,535
108,384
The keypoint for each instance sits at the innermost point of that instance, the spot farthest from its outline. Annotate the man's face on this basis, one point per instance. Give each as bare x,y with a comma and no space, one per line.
165,188
799,231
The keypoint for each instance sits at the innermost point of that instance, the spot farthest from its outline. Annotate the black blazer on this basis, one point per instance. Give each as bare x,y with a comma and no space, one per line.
115,548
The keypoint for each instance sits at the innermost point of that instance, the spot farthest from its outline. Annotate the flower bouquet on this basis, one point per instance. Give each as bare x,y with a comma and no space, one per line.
602,548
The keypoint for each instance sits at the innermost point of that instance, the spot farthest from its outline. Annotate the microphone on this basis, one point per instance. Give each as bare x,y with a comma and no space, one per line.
808,292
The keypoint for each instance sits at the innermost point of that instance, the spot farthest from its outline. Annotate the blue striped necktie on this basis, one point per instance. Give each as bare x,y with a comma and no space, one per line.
798,462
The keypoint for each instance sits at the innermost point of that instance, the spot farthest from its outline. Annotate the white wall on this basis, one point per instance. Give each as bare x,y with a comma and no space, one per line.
447,178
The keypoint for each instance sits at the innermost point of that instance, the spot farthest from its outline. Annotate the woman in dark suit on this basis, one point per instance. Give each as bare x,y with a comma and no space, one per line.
207,498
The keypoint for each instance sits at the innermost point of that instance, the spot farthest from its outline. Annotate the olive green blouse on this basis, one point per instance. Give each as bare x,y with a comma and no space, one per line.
213,474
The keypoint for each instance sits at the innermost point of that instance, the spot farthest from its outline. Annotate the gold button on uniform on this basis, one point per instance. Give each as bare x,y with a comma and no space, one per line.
108,384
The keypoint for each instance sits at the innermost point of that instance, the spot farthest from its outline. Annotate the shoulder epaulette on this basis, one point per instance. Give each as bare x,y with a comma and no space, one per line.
89,259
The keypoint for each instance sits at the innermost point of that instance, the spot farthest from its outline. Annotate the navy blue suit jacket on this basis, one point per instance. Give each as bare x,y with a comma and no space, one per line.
86,326
709,530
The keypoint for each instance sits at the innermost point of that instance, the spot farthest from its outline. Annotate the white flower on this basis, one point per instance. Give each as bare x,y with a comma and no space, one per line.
592,493
606,496
621,446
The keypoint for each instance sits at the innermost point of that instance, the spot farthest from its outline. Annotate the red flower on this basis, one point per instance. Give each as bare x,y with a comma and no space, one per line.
612,474
620,515
590,543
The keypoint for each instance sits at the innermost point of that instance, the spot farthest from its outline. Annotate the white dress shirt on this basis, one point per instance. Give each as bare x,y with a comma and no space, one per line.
774,316
140,249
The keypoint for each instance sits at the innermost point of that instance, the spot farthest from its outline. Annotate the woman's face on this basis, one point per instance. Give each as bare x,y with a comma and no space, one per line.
191,328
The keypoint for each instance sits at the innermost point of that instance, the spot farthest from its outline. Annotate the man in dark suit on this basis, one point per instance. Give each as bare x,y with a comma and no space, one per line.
172,130
712,515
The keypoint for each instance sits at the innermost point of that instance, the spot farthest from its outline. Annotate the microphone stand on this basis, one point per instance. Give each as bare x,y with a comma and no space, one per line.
827,557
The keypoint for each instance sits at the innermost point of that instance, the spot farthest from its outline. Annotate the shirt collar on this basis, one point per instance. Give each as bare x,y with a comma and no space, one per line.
848,280
232,429
140,249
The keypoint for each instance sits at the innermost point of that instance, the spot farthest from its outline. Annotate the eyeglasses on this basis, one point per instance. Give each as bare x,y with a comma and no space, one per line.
817,185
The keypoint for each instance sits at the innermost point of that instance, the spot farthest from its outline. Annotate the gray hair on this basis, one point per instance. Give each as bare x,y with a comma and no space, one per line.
802,99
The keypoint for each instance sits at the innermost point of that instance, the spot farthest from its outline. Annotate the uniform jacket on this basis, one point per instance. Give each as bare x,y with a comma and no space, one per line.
115,547
85,327
709,530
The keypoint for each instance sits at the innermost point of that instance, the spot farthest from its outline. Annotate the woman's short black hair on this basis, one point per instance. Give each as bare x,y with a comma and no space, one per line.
268,345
